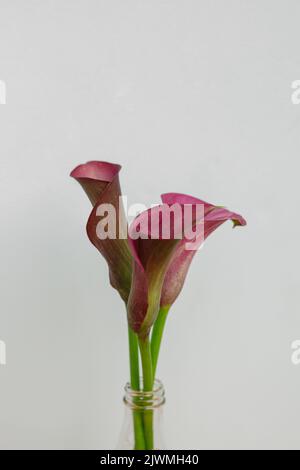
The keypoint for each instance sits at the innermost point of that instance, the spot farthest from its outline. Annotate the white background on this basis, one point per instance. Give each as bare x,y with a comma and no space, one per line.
189,96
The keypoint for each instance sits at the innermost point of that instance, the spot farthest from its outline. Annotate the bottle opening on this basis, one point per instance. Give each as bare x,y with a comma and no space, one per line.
140,400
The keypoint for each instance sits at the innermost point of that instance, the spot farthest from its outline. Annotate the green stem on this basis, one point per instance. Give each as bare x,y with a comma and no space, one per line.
135,385
134,360
157,333
145,350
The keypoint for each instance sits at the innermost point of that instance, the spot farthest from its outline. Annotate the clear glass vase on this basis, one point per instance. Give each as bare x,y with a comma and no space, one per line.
142,427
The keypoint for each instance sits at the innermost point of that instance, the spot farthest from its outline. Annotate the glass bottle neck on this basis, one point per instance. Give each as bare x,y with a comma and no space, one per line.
140,400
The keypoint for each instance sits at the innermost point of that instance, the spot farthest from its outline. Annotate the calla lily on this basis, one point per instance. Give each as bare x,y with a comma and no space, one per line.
100,181
161,265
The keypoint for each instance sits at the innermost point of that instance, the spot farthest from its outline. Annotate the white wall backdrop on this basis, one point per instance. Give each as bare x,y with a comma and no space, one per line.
189,96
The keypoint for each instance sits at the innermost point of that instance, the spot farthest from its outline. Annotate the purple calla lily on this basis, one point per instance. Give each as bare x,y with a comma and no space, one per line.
161,265
100,181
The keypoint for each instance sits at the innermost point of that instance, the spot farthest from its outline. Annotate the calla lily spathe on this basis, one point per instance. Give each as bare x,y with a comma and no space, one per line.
100,181
161,265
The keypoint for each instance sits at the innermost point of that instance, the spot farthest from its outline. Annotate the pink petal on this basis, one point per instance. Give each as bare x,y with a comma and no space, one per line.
151,260
100,181
94,177
213,217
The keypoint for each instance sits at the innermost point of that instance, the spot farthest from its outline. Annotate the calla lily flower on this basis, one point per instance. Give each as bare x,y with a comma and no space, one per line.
100,181
161,264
